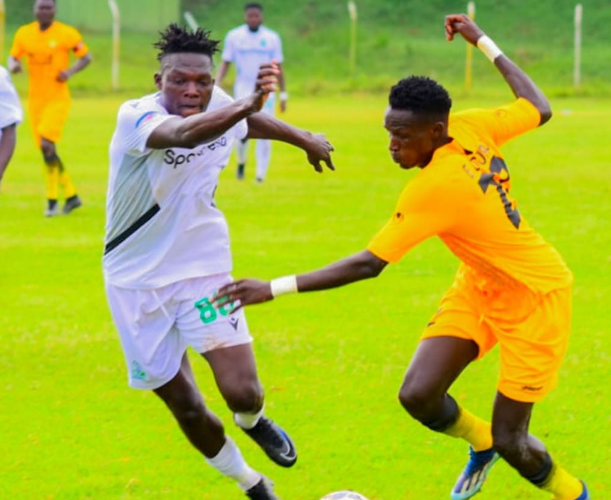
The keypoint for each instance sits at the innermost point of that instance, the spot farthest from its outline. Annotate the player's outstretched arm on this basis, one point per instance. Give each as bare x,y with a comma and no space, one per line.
519,82
197,129
205,127
316,146
357,267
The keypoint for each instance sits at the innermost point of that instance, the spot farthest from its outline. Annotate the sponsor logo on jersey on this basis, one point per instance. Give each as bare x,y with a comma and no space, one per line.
177,159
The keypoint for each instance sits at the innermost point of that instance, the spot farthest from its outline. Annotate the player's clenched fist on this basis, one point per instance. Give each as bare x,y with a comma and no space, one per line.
464,25
267,78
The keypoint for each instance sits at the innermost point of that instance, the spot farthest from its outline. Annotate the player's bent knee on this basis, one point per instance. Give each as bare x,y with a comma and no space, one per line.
48,152
416,400
244,398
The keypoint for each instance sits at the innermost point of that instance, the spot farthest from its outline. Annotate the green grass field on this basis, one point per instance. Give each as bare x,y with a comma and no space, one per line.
331,362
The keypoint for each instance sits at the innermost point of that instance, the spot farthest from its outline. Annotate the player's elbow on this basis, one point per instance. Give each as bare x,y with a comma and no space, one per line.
371,266
545,112
543,107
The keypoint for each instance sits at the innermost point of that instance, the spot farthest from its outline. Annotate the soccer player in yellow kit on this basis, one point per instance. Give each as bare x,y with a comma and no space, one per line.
47,44
512,287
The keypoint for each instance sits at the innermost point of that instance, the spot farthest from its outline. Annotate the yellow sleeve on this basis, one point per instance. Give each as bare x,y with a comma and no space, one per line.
75,42
423,210
505,122
17,49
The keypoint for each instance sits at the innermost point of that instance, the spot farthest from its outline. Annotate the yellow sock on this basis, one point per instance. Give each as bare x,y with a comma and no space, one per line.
52,180
66,183
562,485
472,429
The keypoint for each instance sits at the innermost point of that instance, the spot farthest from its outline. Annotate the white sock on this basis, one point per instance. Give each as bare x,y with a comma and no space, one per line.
248,420
263,150
241,150
230,462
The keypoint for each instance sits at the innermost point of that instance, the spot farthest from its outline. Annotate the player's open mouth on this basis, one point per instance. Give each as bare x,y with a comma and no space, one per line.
190,109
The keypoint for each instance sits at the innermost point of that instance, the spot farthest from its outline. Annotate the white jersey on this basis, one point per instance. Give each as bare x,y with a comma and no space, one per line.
248,50
10,107
162,224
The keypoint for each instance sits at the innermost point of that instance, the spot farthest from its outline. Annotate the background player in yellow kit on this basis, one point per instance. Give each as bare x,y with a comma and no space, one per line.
47,44
512,287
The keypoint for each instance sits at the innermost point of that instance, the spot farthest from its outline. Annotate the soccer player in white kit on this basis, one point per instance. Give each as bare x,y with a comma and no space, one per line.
249,46
11,115
167,248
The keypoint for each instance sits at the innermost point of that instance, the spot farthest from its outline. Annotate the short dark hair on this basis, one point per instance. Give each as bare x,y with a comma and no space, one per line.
253,5
177,39
422,95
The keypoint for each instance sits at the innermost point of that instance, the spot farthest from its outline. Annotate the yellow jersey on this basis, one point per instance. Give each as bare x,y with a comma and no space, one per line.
47,53
463,197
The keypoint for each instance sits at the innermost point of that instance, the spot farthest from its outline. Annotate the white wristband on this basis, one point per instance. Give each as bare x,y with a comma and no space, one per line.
284,96
284,285
489,48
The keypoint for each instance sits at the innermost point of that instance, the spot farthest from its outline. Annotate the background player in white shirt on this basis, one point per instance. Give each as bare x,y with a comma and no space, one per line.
10,115
249,46
167,248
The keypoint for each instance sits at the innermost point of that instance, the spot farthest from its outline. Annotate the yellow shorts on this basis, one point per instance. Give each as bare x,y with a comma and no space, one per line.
48,120
531,330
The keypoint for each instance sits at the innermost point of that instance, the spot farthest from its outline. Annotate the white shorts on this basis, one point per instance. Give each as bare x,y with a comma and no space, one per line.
156,326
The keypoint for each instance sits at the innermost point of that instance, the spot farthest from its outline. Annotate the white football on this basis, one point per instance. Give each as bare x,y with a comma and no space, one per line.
344,495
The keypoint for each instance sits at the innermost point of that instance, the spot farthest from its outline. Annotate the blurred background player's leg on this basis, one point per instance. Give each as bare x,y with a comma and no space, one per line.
50,169
241,150
56,176
49,130
263,149
239,92
51,173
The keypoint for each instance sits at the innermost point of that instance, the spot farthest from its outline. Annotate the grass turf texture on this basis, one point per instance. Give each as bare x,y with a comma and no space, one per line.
331,362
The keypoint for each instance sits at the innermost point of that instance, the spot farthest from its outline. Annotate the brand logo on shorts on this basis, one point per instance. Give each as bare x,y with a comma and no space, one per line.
530,388
137,372
234,322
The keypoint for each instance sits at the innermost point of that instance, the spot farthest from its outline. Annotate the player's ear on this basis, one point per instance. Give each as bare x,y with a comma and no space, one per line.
158,80
438,130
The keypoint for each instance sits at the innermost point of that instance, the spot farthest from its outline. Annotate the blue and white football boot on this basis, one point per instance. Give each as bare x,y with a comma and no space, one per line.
474,475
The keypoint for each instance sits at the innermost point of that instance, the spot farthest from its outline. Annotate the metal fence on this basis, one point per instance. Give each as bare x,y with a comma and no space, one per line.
95,16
